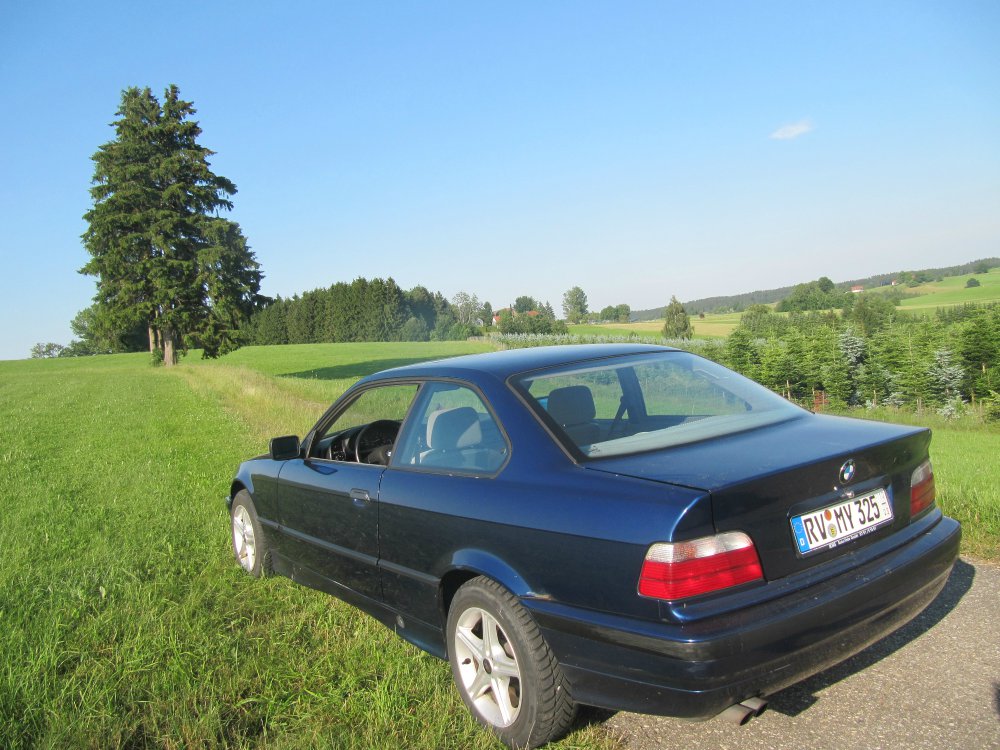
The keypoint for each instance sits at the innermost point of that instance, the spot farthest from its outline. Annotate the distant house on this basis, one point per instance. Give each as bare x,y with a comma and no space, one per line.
857,289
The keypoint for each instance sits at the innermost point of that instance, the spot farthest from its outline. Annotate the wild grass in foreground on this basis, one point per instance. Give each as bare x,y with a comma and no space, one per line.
124,621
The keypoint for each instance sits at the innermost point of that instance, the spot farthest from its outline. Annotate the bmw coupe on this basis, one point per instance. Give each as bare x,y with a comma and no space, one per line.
625,526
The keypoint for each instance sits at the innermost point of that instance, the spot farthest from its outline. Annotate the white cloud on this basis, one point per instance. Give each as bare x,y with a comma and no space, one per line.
788,132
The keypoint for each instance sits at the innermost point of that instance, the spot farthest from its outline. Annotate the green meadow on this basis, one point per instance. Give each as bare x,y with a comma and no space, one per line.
711,326
124,620
952,290
126,623
948,292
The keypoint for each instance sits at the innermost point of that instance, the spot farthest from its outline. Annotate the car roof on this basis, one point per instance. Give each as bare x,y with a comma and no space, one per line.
509,362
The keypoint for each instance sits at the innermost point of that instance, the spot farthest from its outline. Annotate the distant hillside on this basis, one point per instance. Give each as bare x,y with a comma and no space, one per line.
740,302
732,303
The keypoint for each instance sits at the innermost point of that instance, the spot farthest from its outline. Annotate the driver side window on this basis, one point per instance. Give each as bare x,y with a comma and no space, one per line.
367,429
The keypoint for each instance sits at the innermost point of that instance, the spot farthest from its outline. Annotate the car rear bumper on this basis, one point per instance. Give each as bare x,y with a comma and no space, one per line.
697,669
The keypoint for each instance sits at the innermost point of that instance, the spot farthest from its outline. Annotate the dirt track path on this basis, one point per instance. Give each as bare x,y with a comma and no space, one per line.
933,685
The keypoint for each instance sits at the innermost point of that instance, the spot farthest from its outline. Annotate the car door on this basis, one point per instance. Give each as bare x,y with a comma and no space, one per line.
329,499
435,489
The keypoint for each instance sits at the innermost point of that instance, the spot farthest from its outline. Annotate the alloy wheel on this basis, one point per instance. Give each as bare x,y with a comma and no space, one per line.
244,541
488,667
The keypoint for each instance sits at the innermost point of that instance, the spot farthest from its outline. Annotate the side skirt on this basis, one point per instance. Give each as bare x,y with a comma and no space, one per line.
423,635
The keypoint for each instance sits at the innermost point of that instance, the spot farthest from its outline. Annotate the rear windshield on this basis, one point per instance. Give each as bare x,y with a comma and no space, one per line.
623,405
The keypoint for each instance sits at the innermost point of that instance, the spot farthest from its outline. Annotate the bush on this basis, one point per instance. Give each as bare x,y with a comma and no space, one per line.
972,283
952,409
454,332
414,329
991,407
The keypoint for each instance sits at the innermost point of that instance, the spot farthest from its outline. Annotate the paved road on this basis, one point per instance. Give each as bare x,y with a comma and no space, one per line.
932,685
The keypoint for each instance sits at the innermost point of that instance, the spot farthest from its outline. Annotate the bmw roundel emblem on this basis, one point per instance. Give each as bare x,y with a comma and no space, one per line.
847,471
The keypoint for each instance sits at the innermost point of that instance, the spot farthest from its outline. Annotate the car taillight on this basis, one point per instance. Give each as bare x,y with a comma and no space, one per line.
678,570
921,488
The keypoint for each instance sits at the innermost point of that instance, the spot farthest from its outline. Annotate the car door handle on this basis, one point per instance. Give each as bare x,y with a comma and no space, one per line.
361,498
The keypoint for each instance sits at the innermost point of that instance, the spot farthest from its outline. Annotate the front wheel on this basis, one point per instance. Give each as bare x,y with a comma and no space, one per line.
503,667
249,540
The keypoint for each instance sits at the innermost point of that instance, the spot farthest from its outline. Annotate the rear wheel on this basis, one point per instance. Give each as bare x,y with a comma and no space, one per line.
249,540
503,667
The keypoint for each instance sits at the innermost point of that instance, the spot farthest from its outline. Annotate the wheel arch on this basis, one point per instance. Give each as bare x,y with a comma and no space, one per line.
468,564
237,486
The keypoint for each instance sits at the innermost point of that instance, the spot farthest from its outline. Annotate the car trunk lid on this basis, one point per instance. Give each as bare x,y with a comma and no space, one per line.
761,479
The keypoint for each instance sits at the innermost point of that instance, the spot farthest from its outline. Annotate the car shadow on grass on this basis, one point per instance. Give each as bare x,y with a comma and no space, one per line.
795,699
353,370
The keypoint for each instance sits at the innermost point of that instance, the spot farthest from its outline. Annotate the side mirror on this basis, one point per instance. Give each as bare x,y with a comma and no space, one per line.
284,448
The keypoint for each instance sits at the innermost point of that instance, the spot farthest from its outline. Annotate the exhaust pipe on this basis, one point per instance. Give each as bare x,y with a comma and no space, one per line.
738,714
757,705
741,713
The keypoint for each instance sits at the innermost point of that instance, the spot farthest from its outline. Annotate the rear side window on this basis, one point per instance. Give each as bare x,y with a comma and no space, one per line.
603,386
451,430
624,405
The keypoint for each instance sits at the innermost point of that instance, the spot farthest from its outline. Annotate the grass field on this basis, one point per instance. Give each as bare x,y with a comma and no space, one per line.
948,292
952,291
711,326
125,622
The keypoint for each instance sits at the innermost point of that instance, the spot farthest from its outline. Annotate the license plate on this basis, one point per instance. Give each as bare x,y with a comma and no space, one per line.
841,523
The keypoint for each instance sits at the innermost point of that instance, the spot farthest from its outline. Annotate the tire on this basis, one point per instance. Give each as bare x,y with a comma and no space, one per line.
503,668
250,544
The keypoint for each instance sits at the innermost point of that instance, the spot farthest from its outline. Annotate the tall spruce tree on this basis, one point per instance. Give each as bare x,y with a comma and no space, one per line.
162,255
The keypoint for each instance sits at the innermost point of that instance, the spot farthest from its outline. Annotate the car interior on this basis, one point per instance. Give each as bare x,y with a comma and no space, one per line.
457,438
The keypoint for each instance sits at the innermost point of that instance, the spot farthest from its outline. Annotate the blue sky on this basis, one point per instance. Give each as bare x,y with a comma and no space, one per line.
638,150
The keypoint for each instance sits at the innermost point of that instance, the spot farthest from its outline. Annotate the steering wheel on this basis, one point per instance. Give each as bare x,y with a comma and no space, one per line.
372,436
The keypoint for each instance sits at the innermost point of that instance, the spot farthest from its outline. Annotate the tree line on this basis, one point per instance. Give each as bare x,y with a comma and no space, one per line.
362,310
379,310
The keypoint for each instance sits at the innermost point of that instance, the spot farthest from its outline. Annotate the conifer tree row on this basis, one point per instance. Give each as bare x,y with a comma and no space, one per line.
363,310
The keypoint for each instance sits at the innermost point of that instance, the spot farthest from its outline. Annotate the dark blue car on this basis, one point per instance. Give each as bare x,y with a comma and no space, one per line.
631,527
